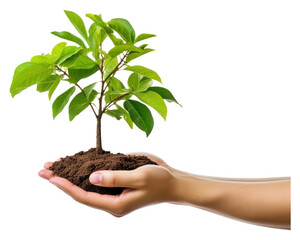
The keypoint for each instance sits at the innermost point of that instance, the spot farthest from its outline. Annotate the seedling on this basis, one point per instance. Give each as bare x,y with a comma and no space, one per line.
70,64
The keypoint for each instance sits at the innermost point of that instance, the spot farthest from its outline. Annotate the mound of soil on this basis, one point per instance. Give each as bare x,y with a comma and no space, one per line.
78,168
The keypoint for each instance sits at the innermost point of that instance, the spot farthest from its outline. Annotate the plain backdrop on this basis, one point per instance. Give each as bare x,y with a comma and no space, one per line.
234,67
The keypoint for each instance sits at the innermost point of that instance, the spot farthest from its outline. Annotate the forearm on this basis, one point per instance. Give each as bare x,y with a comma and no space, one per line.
264,202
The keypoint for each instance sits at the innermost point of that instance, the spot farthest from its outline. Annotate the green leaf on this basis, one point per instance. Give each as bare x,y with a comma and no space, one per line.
123,28
144,72
134,55
96,37
144,36
154,100
57,50
28,74
98,20
115,51
164,93
116,41
78,74
144,84
88,90
45,59
67,52
83,62
133,81
127,25
80,102
69,36
61,101
140,115
77,23
53,87
119,113
46,84
115,84
110,64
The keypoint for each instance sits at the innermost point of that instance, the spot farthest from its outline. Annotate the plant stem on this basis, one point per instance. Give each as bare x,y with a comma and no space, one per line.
99,148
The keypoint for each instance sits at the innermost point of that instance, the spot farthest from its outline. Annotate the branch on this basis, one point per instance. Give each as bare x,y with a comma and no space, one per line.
114,101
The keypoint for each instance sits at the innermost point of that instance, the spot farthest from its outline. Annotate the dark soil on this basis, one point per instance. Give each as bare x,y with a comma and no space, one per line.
78,168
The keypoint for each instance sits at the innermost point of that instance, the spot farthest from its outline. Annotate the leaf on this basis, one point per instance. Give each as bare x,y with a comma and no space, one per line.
69,36
122,30
144,36
88,90
96,37
57,50
164,93
83,62
77,23
115,51
144,72
110,64
78,74
115,84
134,55
154,100
133,81
45,59
140,115
116,41
127,25
53,87
80,103
98,20
119,113
67,52
28,74
144,84
46,84
61,101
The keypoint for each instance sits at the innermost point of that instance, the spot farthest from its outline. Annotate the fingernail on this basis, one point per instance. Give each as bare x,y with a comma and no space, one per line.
96,178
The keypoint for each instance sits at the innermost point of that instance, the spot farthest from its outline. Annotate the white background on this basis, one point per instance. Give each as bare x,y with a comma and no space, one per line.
233,65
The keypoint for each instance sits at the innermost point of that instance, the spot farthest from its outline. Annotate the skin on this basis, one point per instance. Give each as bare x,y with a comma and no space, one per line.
264,202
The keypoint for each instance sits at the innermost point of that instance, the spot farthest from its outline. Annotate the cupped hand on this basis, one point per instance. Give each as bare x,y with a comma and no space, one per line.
146,185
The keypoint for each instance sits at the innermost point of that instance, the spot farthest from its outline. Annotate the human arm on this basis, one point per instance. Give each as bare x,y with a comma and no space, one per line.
265,202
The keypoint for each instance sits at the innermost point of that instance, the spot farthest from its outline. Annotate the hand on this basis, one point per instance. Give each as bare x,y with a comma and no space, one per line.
145,185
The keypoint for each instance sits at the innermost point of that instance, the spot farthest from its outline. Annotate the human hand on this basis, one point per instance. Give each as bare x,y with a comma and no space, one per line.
144,186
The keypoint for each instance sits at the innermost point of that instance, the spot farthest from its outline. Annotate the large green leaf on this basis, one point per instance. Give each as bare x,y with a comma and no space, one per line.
123,28
164,93
119,113
28,74
127,25
144,36
83,62
67,52
57,50
154,100
140,115
46,84
80,102
78,74
61,101
134,55
69,36
115,51
77,23
144,72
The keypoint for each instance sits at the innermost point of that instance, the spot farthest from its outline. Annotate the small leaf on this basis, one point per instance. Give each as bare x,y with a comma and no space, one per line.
110,64
144,36
53,87
144,84
46,84
119,113
28,74
115,84
80,102
96,37
77,23
134,55
78,74
154,100
144,72
61,101
164,93
69,36
133,81
45,59
83,62
116,41
67,52
98,20
127,25
122,30
140,115
115,51
57,50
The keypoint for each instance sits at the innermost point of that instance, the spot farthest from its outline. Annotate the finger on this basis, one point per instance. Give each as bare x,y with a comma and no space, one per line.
46,174
127,179
47,165
104,202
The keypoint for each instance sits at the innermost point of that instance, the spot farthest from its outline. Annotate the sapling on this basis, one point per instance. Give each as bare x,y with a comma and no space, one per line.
68,64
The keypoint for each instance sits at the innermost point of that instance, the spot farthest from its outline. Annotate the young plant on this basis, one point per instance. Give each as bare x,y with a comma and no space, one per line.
71,64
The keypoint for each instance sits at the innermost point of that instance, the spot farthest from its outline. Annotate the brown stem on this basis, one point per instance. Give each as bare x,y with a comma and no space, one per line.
99,148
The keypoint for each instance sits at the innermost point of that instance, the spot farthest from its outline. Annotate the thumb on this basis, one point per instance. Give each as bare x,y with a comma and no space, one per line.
126,179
